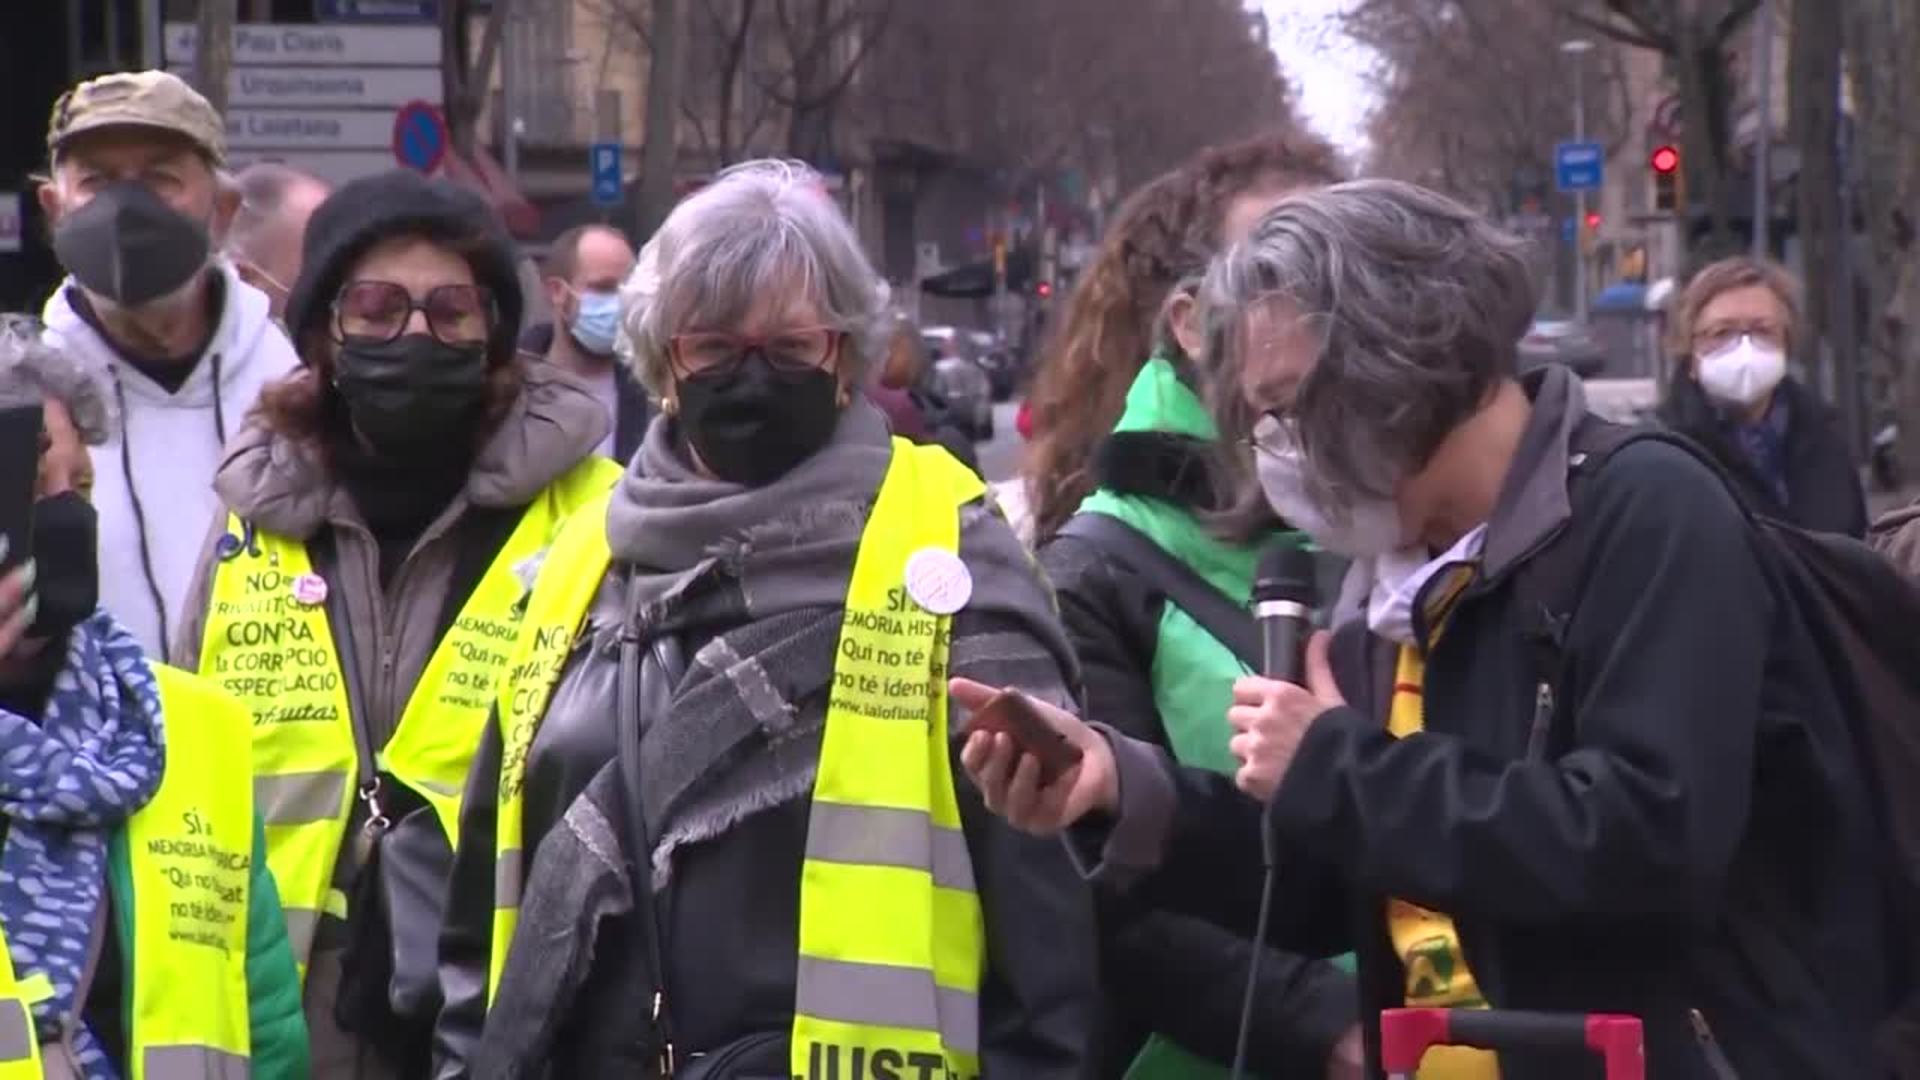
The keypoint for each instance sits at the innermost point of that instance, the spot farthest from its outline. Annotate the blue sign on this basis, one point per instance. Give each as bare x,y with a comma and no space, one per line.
1579,166
1568,230
419,136
604,162
377,11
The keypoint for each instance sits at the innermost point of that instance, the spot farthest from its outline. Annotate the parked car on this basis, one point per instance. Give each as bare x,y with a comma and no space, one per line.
999,359
959,378
1623,401
1563,341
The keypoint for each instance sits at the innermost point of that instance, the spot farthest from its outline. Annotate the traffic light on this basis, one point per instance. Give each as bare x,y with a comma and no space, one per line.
1044,290
1665,161
1593,221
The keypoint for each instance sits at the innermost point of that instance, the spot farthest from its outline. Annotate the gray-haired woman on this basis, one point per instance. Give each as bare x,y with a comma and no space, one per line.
717,825
1572,677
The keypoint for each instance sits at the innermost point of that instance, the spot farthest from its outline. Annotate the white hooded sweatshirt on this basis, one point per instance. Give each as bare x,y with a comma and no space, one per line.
153,480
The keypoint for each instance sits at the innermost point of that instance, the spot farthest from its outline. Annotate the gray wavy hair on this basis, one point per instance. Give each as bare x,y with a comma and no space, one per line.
1418,304
33,369
759,228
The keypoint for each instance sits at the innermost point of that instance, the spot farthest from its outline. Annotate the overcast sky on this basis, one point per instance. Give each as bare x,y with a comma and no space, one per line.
1328,70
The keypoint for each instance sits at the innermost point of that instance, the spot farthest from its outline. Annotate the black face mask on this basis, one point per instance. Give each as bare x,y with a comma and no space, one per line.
130,247
754,424
414,395
68,578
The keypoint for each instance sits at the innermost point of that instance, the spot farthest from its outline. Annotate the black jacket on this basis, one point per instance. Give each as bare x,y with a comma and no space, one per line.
1691,834
1164,971
1823,485
730,917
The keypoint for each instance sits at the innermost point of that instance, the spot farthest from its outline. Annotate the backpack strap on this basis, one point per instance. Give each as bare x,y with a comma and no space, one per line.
1230,623
1548,583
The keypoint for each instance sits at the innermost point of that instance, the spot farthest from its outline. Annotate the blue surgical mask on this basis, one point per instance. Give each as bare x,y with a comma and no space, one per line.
597,323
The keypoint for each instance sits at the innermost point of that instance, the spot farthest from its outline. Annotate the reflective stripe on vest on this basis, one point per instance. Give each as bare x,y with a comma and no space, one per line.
892,941
190,851
891,930
277,654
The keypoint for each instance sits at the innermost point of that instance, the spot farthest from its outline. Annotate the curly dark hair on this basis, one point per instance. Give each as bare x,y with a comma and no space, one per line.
1164,232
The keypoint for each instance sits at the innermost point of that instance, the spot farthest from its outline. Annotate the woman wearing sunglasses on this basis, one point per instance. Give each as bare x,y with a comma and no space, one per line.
363,588
716,831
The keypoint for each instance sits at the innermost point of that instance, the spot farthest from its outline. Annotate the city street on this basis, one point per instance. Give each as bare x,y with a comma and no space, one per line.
1000,456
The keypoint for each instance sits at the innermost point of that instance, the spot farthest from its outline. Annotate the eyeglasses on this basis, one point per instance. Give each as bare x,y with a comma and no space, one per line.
1716,336
380,311
794,351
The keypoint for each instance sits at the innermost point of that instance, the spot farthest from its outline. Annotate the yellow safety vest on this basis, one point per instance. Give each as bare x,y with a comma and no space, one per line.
892,940
268,641
190,851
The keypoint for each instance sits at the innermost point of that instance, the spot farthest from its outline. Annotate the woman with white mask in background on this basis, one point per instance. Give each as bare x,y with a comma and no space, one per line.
1736,325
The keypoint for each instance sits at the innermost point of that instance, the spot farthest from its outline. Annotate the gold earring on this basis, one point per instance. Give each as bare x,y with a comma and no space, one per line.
671,406
844,397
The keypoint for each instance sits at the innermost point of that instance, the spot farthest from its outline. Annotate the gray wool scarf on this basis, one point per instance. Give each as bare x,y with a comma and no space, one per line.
760,575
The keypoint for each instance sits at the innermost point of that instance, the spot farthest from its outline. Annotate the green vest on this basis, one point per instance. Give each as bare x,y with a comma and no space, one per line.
1193,673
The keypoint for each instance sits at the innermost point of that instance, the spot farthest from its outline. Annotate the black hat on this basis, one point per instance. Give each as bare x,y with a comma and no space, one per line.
403,203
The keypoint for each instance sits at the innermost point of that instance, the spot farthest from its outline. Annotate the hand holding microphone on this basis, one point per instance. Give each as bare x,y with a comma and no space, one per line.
1271,712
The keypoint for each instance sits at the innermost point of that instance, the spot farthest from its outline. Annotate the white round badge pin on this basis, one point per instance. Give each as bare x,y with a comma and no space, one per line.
938,581
310,590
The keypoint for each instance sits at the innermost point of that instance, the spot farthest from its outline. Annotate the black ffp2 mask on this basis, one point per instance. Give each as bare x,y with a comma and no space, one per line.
67,581
414,395
753,424
130,247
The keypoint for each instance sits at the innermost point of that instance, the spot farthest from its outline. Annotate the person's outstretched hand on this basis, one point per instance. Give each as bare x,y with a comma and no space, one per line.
1009,779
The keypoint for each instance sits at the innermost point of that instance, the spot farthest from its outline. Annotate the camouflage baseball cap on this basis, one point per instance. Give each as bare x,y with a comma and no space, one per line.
151,99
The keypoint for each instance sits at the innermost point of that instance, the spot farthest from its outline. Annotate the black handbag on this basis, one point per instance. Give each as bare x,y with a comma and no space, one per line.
390,978
760,1056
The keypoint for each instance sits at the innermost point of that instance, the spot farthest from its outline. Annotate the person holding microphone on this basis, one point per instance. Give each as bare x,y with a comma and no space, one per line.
1633,797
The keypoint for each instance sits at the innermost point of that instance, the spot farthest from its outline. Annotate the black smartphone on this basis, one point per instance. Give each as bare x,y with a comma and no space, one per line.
1015,715
20,433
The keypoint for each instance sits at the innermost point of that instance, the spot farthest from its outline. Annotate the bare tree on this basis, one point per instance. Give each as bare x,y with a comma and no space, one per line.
826,43
1813,75
1476,92
1883,52
1693,37
1126,88
466,76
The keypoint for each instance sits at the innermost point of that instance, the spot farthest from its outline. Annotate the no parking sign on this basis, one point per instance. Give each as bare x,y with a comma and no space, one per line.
419,136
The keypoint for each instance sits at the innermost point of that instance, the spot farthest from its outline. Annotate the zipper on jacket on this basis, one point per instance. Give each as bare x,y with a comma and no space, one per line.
1710,1047
1542,721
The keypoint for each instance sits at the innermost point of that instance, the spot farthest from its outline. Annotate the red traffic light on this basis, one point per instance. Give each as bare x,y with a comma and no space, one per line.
1665,159
1044,289
1593,220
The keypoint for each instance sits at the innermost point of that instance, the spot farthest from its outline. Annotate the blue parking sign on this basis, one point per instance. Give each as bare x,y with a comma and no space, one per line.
1579,166
604,161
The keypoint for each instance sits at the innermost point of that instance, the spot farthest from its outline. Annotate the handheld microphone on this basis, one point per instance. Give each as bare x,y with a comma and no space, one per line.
1286,589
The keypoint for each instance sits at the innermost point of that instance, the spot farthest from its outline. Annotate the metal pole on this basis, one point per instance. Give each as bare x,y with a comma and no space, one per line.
1580,197
151,27
1763,131
510,105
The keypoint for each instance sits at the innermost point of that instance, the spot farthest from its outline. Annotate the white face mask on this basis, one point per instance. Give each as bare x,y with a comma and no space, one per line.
1398,579
1368,528
1742,372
